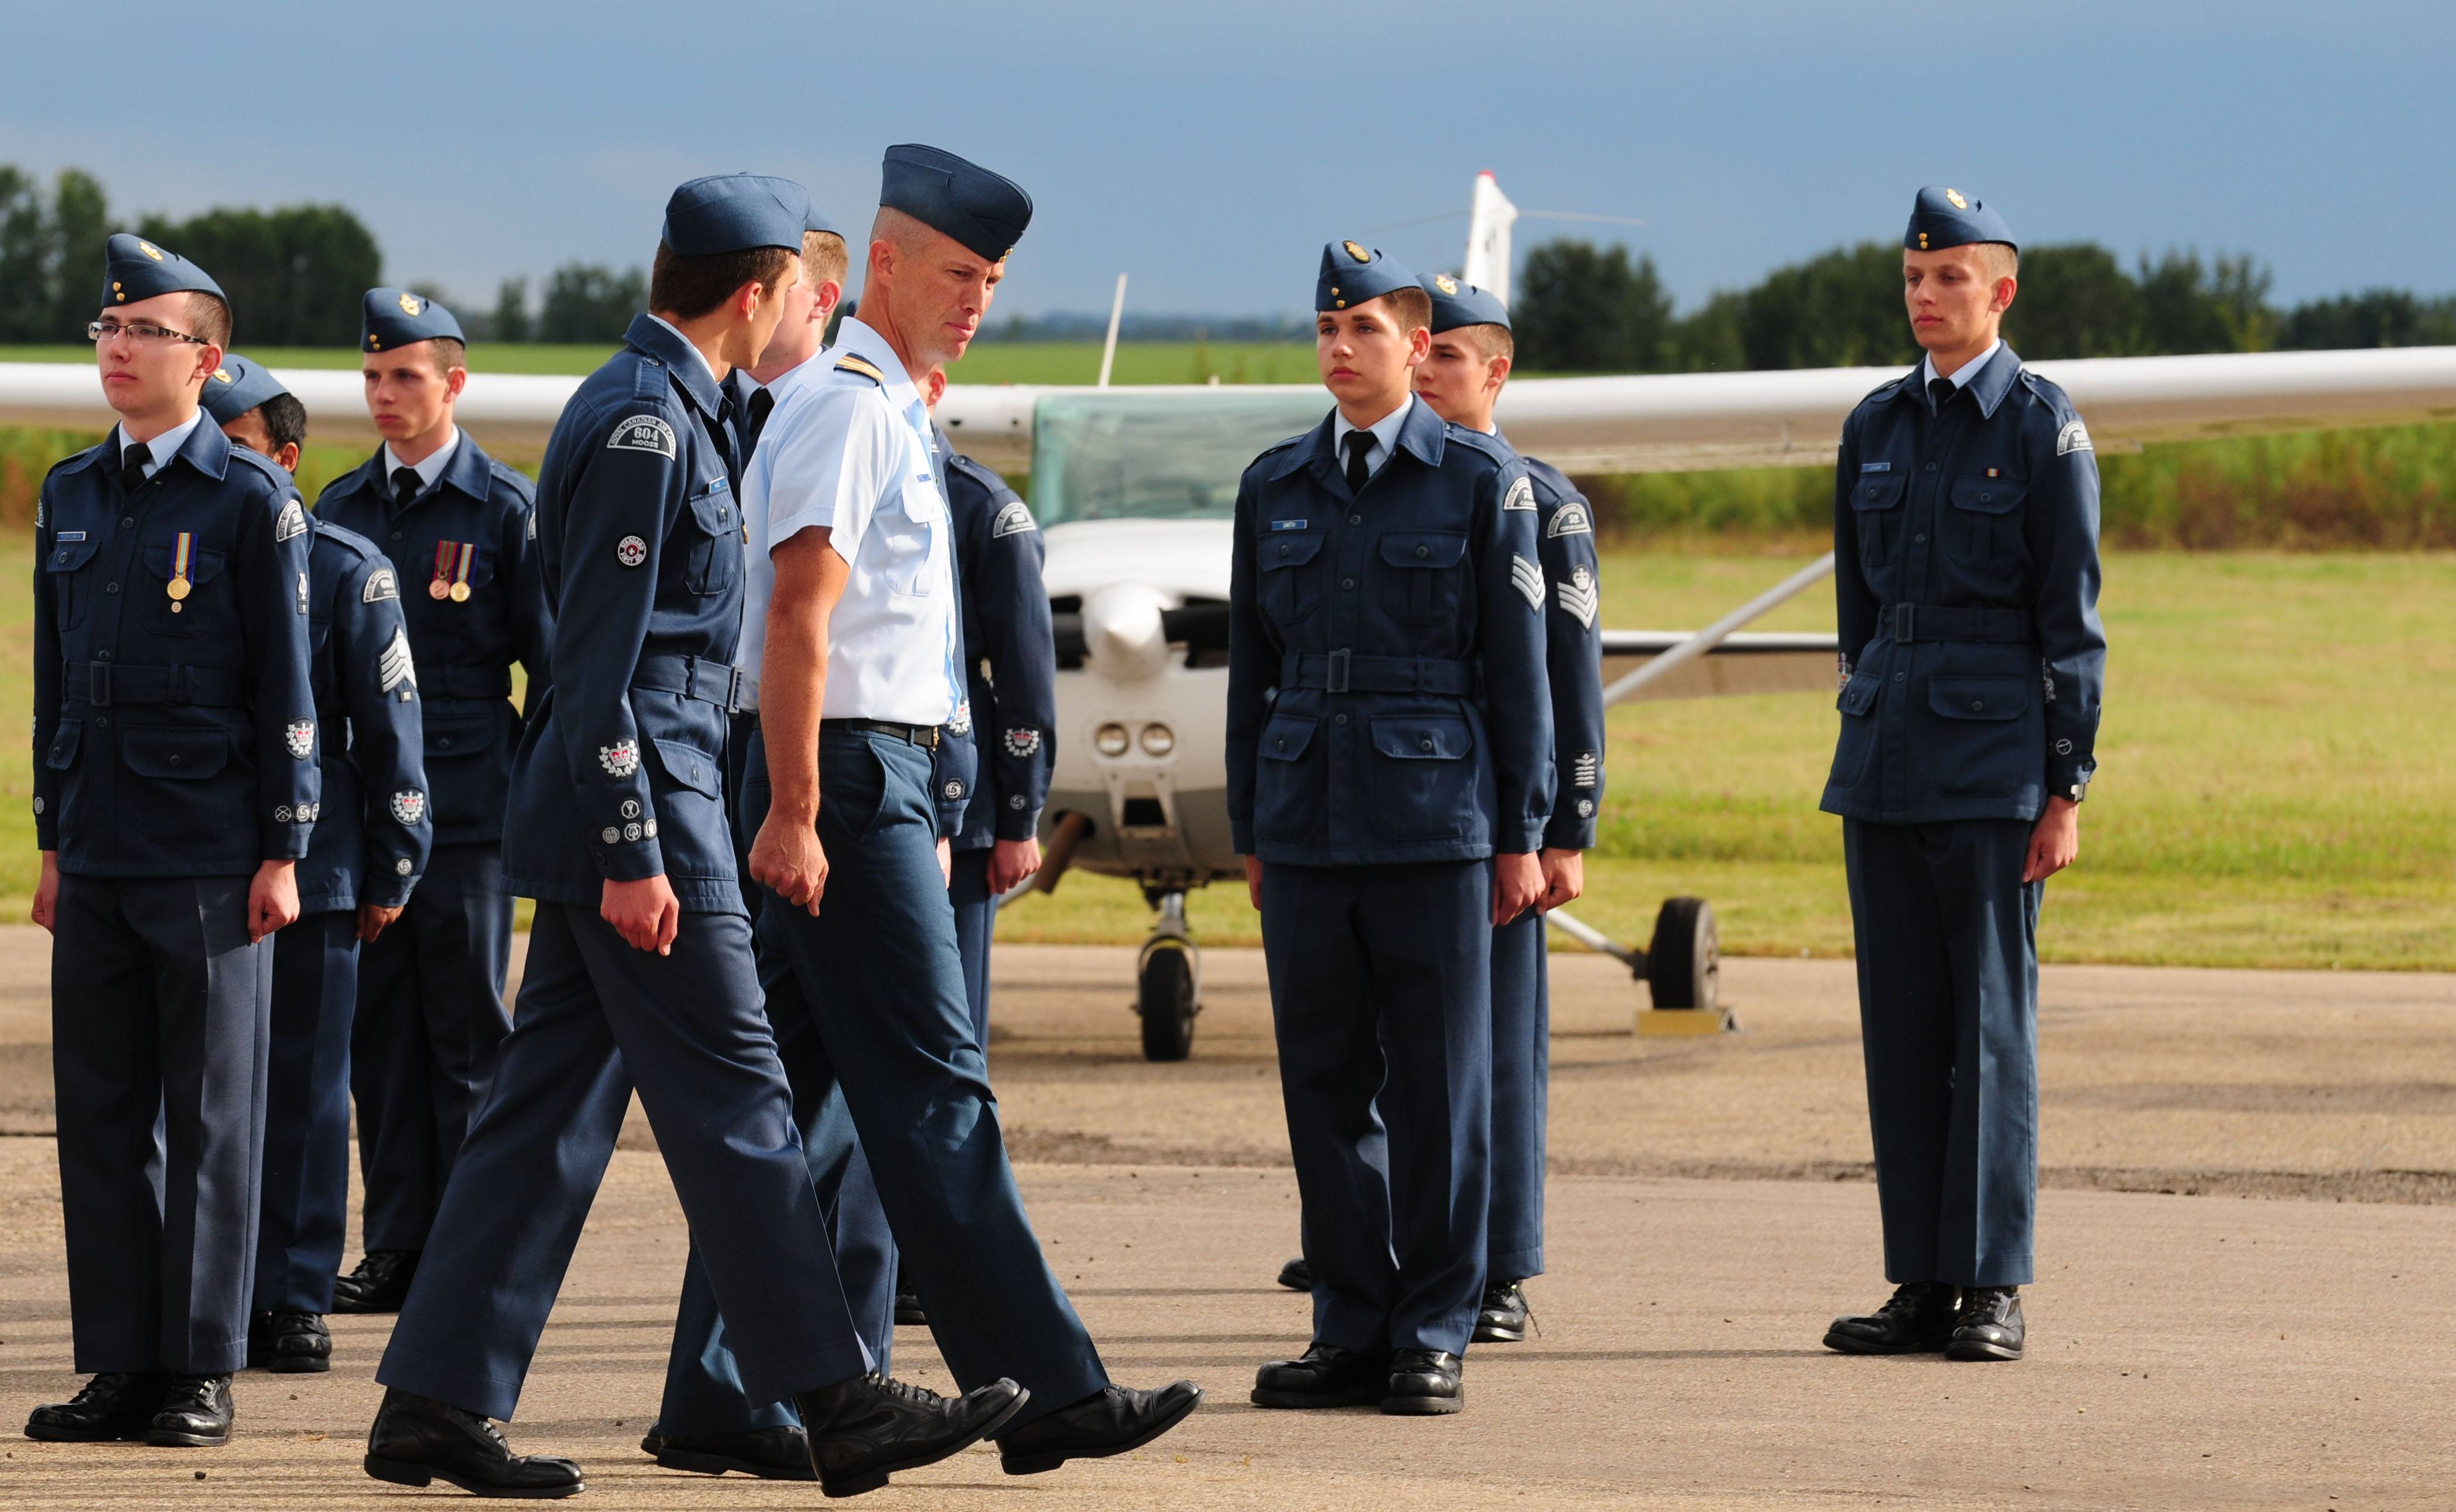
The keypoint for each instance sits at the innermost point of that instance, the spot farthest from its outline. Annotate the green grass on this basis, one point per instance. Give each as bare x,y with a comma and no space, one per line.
2275,787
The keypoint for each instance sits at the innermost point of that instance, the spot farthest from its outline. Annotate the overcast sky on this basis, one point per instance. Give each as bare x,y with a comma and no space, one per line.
1210,150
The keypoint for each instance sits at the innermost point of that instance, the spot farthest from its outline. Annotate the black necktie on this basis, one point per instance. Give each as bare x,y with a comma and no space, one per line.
1941,392
1357,444
761,403
131,466
405,486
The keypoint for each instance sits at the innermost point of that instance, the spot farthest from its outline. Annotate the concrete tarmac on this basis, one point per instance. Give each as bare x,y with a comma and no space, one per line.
2280,1339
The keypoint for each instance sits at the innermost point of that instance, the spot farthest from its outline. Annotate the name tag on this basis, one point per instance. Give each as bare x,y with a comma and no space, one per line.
70,534
1875,467
1276,524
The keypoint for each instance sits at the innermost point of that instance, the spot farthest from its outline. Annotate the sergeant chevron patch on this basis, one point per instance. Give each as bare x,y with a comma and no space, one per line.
1580,597
1528,578
395,668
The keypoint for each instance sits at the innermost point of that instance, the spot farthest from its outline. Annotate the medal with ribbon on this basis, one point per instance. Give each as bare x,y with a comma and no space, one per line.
441,586
179,587
461,575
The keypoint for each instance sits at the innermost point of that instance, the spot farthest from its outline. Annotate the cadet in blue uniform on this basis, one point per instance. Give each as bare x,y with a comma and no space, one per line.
1965,534
456,526
363,858
640,969
1011,695
1389,752
1461,379
705,1424
853,580
174,786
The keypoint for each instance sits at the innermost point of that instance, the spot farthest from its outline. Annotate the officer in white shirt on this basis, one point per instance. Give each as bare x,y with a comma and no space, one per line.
861,670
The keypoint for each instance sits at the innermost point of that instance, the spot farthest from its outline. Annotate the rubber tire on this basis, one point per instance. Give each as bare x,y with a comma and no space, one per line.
1164,998
1683,966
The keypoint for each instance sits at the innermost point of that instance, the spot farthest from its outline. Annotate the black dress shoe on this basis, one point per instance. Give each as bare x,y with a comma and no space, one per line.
194,1413
909,1311
1114,1420
417,1441
289,1343
1296,1275
1502,1317
863,1430
114,1405
1915,1321
654,1440
380,1285
1423,1384
1988,1326
772,1454
1323,1376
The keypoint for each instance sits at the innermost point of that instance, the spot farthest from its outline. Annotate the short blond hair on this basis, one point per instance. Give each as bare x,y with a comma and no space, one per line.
824,257
2002,260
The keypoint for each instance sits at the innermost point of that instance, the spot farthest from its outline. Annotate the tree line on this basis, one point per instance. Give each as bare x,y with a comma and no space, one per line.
1585,309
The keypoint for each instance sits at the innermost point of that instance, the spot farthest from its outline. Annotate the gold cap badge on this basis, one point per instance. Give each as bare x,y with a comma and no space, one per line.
1356,251
1958,203
221,374
409,304
1445,284
148,248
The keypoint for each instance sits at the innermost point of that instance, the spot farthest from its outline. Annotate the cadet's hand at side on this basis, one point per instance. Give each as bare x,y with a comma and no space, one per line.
787,859
645,912
2055,844
373,920
1011,861
272,899
1517,884
47,891
946,862
1565,877
1254,881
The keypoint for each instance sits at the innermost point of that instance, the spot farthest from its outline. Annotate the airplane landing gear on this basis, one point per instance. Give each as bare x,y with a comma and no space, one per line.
1682,967
1168,981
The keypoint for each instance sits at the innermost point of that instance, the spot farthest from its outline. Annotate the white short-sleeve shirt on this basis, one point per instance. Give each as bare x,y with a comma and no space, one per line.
850,451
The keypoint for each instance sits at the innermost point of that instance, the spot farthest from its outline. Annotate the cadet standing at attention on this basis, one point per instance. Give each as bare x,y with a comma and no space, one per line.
174,786
1460,377
369,842
456,525
640,969
1390,751
853,580
1965,538
1011,692
704,1423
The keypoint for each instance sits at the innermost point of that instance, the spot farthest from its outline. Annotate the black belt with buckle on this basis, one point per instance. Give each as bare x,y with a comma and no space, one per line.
104,683
925,736
1909,623
693,676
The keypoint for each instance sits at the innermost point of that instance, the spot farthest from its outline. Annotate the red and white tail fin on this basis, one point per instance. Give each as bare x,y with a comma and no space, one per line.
1487,238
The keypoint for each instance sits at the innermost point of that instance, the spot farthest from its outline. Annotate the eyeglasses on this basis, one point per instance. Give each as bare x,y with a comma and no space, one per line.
144,334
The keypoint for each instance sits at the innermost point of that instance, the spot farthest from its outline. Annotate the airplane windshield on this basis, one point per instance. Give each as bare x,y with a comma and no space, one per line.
1115,454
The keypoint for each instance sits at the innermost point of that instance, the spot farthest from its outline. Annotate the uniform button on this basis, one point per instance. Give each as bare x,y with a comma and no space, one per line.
1338,719
103,722
1348,582
1986,499
1356,520
396,535
128,523
110,587
446,741
175,761
1921,538
1279,744
1426,744
1977,703
1424,551
62,557
1897,677
1931,467
102,656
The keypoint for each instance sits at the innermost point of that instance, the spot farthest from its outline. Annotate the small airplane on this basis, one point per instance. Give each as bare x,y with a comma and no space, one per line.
1134,489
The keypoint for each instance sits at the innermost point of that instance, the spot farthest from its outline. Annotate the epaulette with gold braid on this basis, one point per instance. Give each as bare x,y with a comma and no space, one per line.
868,369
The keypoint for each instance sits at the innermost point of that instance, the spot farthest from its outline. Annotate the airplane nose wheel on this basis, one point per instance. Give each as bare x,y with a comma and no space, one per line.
1168,984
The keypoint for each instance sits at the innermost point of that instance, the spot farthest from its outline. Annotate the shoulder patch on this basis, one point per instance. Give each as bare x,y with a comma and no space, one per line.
850,363
1521,495
2073,438
1528,578
1581,597
292,522
645,433
1012,520
381,584
1569,520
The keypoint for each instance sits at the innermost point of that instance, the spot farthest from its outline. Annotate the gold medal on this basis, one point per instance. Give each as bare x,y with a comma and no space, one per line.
459,593
438,590
178,589
466,551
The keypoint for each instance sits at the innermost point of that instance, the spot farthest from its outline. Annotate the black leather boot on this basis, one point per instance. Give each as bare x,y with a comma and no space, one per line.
1915,1321
1423,1384
1988,1326
1296,1275
1502,1320
772,1454
194,1413
289,1343
863,1430
1114,1420
114,1405
417,1441
1323,1376
380,1285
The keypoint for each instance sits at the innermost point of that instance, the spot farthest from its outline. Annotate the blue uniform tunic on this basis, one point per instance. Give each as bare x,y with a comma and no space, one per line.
619,777
1521,1008
431,989
176,744
1011,672
370,842
1389,730
1966,582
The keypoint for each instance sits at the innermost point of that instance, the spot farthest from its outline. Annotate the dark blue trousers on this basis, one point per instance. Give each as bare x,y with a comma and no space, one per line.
703,1392
160,1022
596,1018
975,924
307,1113
1382,999
883,981
429,1020
1522,1072
1947,937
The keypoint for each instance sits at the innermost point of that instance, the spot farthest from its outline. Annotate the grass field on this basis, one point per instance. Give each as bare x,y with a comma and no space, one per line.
2275,787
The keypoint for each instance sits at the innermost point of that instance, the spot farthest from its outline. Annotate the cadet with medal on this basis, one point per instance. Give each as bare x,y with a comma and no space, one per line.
456,525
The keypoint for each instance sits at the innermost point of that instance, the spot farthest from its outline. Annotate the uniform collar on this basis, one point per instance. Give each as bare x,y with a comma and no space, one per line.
1421,432
1988,379
656,338
856,339
180,439
429,467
